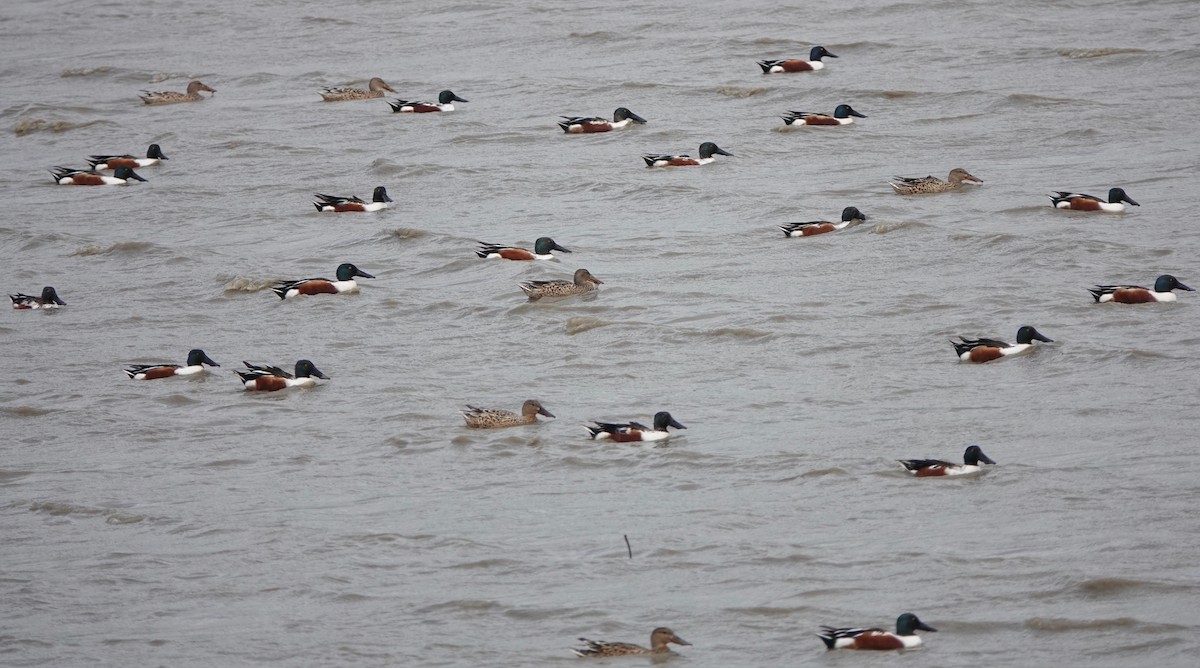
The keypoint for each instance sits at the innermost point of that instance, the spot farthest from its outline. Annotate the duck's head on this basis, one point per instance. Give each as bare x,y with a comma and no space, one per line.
347,271
1167,283
197,357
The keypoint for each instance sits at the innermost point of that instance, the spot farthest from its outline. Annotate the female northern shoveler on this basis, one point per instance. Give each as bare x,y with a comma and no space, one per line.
379,201
841,116
196,360
82,177
1136,294
849,215
49,299
707,151
1062,199
797,64
101,163
986,350
905,636
622,117
659,638
541,250
583,282
924,468
446,100
316,286
171,97
634,431
492,418
272,378
375,88
904,185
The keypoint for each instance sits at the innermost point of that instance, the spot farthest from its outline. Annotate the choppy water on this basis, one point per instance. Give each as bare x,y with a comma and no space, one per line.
186,523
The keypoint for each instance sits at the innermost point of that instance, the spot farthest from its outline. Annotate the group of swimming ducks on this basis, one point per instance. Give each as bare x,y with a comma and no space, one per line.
582,282
255,377
905,637
272,378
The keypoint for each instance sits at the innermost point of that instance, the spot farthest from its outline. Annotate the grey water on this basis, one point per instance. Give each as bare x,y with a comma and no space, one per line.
188,523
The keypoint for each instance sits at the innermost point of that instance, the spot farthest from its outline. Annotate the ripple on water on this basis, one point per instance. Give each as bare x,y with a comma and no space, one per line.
25,411
736,91
244,284
27,126
1063,624
62,509
87,71
119,247
1095,52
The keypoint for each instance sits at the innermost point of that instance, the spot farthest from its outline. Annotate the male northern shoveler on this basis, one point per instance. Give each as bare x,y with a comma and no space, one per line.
446,100
49,299
849,215
905,636
541,250
492,418
841,116
904,185
622,117
196,360
1136,294
1062,199
375,88
634,431
707,151
379,200
316,286
659,638
797,64
101,163
171,97
986,350
272,378
924,468
82,177
583,282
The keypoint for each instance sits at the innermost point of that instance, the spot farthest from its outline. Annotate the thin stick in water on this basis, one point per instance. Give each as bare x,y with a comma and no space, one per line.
627,547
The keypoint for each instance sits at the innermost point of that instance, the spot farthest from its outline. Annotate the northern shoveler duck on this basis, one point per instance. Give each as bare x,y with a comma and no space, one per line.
541,250
1062,199
986,350
841,116
379,200
924,468
316,286
628,432
622,117
196,360
904,185
659,638
172,97
707,151
583,282
446,100
49,299
1136,294
101,163
797,64
375,88
82,177
905,636
849,215
272,378
493,418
